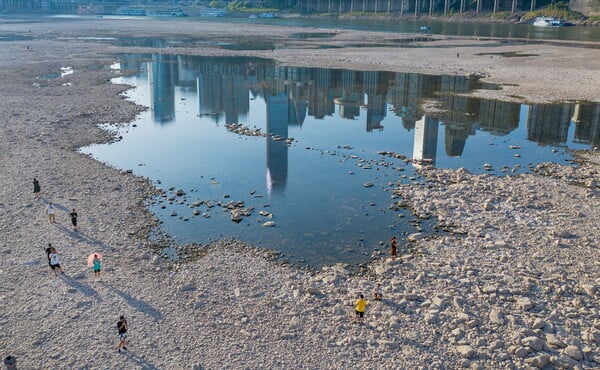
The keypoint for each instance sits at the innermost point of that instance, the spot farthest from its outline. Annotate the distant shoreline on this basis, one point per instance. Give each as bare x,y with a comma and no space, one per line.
466,17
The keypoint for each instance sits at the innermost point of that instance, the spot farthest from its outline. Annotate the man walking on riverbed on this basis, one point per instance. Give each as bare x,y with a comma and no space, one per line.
122,327
51,213
73,215
36,188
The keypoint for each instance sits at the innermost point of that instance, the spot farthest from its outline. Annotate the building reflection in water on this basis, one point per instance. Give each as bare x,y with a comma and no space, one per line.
225,86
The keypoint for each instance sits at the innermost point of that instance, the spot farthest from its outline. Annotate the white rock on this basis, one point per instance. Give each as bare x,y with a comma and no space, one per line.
534,343
573,352
465,351
524,303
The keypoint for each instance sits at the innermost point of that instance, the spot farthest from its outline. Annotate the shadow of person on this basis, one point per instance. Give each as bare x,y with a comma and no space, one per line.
139,361
138,304
82,237
81,287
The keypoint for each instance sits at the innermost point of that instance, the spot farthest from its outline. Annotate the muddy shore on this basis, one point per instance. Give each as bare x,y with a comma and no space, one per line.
517,284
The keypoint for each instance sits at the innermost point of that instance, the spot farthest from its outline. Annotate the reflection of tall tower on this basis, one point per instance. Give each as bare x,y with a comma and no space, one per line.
222,88
278,111
321,103
408,89
549,124
376,105
455,138
426,135
587,123
186,73
499,117
458,108
351,97
162,73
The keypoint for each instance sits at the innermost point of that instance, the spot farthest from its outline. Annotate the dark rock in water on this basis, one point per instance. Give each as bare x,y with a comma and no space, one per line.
236,216
180,192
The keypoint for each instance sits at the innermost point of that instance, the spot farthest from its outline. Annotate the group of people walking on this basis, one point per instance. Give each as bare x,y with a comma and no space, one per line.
94,260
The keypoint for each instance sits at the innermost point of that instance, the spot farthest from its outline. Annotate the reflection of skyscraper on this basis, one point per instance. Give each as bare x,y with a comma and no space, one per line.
587,123
549,124
321,103
376,109
408,90
351,96
186,73
455,138
499,117
162,73
278,112
426,135
222,88
376,104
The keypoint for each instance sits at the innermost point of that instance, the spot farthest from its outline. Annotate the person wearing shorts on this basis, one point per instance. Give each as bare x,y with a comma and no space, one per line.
122,327
361,307
55,262
51,213
97,267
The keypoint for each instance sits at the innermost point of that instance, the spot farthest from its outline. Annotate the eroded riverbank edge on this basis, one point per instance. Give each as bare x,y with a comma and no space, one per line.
518,284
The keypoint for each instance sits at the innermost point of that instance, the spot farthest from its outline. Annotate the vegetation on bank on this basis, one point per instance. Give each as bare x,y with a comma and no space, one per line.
558,10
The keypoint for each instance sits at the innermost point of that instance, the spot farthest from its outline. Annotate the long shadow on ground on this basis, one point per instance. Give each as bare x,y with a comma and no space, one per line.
138,304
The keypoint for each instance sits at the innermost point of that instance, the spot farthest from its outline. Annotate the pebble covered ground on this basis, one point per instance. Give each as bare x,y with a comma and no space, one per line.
512,284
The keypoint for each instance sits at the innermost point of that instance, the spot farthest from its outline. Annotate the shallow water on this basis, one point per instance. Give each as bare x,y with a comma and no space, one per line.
316,186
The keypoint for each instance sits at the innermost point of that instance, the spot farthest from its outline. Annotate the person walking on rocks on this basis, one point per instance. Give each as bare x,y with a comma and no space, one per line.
377,295
37,190
97,267
55,262
49,250
122,327
394,248
361,307
73,215
51,213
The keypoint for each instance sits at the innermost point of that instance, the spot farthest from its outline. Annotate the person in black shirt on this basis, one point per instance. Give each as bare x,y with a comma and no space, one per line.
73,215
122,327
36,188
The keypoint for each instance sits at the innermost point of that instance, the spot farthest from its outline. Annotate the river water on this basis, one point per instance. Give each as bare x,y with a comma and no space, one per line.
339,140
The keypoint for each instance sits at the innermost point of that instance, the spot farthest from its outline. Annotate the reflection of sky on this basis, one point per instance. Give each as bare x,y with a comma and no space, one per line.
322,211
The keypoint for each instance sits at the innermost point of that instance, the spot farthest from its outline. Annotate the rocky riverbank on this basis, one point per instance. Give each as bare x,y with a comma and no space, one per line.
514,284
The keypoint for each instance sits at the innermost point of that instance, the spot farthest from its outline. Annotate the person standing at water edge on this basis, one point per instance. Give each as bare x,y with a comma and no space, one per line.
36,188
122,327
394,248
361,307
51,213
73,215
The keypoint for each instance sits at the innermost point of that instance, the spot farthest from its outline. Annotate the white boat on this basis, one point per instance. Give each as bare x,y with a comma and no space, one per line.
548,22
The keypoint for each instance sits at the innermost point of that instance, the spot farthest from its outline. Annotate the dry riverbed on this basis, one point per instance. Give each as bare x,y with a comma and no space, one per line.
514,285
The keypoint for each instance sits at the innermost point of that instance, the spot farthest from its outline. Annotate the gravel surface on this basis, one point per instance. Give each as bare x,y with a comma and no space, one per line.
513,284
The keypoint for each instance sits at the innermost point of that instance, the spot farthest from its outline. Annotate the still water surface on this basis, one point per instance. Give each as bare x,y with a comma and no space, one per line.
316,185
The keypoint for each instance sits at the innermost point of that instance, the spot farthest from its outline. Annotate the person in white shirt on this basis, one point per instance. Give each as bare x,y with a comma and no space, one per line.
55,262
51,213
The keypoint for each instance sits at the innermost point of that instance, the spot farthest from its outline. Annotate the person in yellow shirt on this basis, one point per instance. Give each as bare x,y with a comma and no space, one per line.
361,307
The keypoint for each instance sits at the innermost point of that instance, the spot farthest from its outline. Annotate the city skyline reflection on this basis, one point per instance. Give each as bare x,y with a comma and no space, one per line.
339,122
